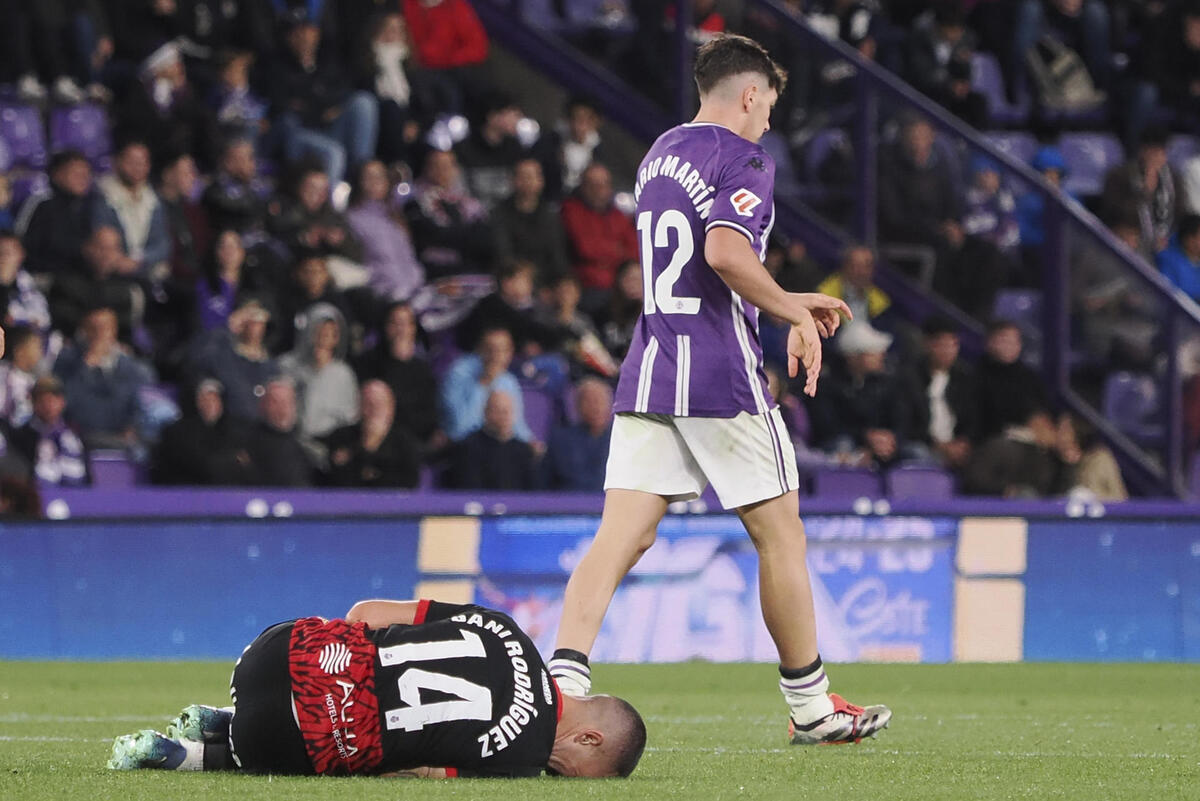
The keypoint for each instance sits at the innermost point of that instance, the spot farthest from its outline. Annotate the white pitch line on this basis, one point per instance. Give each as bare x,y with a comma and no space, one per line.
22,718
898,752
7,739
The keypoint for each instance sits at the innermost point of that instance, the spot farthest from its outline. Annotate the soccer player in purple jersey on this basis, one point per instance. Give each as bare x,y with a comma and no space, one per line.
692,402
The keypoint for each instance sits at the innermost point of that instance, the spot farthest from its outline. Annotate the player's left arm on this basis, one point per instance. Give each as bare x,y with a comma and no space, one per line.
379,613
417,773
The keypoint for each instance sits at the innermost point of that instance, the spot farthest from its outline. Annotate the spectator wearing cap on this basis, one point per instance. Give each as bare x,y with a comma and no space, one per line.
106,276
398,362
162,108
1144,188
528,226
102,383
449,224
204,446
1180,261
599,235
318,112
576,454
494,457
237,356
376,452
277,458
128,203
47,443
945,397
54,225
492,149
394,274
21,302
18,373
864,412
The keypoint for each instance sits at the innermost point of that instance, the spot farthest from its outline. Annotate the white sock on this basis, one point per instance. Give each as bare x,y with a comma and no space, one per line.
195,755
807,693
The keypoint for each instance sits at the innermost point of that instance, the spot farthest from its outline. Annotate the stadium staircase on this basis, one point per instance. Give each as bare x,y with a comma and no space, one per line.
1139,414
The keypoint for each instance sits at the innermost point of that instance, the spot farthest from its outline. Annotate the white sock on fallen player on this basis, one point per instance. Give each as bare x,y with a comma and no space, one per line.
195,755
807,692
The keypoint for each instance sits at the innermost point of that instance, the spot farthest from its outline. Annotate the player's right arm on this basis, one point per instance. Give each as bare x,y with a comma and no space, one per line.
811,315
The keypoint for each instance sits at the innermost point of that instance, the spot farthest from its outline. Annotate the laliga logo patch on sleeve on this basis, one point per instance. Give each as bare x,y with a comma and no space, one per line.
744,202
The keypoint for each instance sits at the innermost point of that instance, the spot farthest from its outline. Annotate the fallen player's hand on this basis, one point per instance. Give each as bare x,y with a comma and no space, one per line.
826,310
804,347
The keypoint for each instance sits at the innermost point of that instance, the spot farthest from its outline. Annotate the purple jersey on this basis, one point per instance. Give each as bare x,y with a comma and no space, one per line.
695,349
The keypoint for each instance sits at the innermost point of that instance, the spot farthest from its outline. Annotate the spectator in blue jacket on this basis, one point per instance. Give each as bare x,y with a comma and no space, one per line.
102,382
1180,262
577,454
475,376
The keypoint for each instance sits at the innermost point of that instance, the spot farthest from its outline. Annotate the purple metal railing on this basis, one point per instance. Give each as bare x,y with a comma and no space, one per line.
876,85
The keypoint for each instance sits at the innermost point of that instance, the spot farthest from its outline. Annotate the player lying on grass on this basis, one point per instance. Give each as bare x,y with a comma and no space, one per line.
412,688
692,402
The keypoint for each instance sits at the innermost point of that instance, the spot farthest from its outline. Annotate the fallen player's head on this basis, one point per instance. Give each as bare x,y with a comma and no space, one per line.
598,736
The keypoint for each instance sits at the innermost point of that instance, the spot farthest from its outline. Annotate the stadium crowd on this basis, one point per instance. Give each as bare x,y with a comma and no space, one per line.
324,248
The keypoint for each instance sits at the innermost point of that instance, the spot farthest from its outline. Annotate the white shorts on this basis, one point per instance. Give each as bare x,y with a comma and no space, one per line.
748,458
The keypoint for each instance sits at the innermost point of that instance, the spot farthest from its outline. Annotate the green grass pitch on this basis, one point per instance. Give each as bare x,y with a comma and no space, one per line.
1095,732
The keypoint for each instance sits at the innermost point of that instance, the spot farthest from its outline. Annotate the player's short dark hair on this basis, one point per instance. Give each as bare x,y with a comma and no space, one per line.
630,732
731,54
64,157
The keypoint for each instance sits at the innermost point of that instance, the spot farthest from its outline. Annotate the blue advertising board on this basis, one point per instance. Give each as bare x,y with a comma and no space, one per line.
187,589
1113,590
883,587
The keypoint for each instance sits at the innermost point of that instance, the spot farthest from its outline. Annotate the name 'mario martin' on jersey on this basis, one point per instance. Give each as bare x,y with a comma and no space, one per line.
695,349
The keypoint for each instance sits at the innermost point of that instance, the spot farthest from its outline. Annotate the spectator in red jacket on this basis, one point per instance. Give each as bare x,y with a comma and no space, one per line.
451,43
600,236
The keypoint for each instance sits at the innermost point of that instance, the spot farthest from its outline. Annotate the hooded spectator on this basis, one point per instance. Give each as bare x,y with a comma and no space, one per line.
326,389
205,446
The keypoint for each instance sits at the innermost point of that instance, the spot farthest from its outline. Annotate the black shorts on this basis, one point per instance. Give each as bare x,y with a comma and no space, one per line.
263,735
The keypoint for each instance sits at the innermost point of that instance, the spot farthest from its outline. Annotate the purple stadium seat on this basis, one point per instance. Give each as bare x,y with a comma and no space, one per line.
988,81
1181,148
1023,307
111,469
28,184
1089,156
21,130
539,412
1194,476
84,128
846,482
1131,402
541,14
1018,144
819,149
921,482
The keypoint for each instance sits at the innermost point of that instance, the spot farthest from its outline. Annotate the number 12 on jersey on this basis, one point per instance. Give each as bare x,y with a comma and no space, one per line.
659,295
476,700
